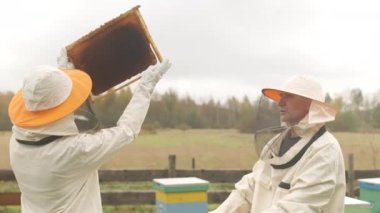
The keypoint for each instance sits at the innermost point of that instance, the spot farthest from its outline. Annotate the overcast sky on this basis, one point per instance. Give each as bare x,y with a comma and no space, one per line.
218,48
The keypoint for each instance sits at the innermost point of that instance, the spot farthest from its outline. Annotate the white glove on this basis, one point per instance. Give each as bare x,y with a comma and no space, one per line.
153,74
63,61
134,115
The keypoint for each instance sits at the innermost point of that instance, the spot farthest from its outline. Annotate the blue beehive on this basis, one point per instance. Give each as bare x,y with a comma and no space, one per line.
185,195
370,191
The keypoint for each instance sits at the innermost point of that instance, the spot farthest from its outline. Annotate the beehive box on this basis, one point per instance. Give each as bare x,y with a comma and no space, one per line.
370,191
352,205
185,195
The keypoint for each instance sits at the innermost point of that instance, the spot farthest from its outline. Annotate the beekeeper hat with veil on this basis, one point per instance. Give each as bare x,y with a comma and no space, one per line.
52,102
269,126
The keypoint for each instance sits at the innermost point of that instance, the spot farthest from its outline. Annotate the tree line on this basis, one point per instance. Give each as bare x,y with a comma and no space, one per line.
168,110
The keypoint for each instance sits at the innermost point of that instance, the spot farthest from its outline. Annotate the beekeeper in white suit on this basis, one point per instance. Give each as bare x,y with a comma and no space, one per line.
300,169
54,154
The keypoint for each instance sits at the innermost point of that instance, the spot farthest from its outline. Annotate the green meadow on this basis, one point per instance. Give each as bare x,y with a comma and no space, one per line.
211,149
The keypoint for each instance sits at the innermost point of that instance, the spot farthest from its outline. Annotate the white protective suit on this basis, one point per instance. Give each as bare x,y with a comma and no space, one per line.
316,183
62,176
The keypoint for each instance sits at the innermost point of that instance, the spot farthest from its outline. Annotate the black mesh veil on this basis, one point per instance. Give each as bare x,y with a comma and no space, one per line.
85,118
267,123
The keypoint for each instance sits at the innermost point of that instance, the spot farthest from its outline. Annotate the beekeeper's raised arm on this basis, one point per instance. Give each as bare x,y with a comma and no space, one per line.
57,146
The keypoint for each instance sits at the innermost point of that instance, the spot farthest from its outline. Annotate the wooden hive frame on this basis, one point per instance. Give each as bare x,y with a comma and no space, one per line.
87,52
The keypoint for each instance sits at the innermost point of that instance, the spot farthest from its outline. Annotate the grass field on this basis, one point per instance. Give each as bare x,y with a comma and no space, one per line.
212,149
109,209
11,186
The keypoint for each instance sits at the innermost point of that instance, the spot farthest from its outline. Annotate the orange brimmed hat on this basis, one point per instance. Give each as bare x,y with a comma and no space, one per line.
49,94
303,86
298,85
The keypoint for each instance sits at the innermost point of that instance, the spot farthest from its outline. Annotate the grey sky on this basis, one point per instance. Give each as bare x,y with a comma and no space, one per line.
218,48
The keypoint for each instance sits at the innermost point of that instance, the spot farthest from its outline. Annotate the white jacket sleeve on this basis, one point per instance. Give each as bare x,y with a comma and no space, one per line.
239,201
134,115
97,147
313,185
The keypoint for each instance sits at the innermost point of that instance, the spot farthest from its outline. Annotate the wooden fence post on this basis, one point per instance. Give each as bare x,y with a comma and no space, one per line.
350,175
171,170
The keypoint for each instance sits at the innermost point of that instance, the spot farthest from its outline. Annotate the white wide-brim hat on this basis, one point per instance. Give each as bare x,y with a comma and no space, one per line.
49,94
306,87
